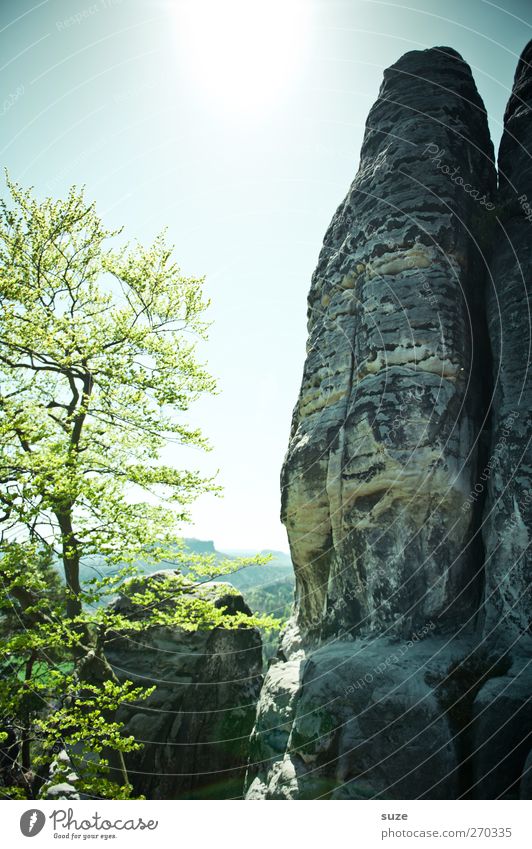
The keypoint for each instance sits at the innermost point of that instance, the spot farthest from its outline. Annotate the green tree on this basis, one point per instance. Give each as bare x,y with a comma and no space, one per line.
98,366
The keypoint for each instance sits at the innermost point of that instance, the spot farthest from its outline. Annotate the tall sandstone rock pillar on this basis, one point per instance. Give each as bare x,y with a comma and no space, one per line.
508,514
384,443
502,713
405,672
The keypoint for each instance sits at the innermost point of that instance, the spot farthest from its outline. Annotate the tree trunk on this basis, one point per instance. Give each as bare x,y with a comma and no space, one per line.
92,666
71,561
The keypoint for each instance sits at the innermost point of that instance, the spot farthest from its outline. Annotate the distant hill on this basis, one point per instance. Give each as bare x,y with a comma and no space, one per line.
267,589
278,569
200,546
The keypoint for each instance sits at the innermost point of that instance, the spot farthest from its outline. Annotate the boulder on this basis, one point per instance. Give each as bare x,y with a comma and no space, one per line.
195,726
354,719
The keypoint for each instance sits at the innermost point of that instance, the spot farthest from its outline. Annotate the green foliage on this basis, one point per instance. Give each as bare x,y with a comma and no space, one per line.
176,602
13,792
98,365
80,718
97,361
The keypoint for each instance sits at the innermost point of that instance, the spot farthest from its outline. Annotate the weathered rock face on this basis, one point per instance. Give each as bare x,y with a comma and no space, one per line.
426,718
392,680
196,725
353,720
508,514
383,448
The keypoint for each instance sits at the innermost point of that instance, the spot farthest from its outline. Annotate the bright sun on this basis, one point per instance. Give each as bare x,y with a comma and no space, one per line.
244,53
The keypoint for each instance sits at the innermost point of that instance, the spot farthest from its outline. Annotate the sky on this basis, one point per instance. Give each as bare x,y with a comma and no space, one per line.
236,124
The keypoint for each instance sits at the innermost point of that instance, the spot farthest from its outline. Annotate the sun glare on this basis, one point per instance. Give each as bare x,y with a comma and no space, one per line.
244,53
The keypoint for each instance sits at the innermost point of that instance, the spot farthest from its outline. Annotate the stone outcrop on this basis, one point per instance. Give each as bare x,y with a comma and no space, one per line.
508,515
195,726
405,672
383,449
352,720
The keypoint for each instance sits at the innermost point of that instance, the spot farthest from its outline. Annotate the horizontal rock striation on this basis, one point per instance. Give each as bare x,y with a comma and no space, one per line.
383,447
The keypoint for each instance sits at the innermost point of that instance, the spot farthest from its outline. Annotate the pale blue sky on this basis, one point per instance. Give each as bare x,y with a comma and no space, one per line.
241,132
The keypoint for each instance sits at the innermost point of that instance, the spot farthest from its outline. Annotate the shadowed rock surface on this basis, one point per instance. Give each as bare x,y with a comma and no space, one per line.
197,723
508,515
391,681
